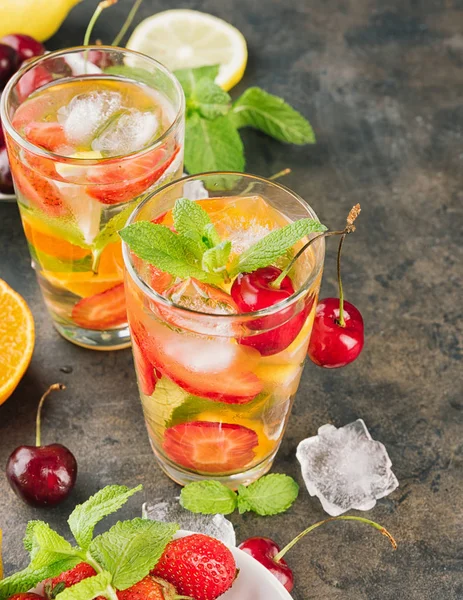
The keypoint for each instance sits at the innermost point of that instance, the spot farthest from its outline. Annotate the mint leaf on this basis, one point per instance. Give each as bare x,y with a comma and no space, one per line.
212,145
210,100
110,232
269,248
47,546
85,516
272,115
164,249
98,585
28,540
215,259
208,498
130,549
269,495
28,578
189,78
192,220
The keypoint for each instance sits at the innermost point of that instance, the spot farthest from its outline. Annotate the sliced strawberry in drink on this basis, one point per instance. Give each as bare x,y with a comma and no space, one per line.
201,297
147,375
210,447
37,190
207,367
101,311
49,136
123,180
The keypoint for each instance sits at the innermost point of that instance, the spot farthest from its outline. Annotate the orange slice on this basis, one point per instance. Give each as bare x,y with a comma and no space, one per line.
17,337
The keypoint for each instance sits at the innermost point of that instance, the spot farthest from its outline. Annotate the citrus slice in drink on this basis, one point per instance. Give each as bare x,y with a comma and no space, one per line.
184,38
17,337
210,447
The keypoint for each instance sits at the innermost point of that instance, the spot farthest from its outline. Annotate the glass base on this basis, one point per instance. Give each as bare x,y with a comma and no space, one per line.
111,339
183,477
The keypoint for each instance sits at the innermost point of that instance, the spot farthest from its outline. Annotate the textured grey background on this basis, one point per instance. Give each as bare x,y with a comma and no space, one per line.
382,83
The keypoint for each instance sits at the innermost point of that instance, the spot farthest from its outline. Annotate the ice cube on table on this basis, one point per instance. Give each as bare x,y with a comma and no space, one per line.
86,112
131,131
345,468
170,511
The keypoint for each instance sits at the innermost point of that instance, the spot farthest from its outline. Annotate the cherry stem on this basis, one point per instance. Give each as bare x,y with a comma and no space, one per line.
281,173
127,23
98,10
380,528
341,321
52,388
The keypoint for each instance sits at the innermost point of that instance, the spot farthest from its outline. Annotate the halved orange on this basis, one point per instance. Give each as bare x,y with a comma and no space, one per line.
17,337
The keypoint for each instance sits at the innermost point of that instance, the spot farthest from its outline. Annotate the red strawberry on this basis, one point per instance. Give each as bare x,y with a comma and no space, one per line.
147,375
120,181
101,311
68,578
26,596
210,447
149,588
46,135
37,190
198,566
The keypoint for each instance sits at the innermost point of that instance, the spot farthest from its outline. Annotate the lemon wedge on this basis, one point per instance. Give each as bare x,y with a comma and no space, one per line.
182,38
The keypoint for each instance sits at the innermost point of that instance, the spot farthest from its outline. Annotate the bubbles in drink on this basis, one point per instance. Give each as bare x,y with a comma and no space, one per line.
126,132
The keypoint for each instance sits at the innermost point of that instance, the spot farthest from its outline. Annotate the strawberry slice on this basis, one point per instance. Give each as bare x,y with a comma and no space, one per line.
101,311
123,180
206,367
147,374
38,190
210,447
49,136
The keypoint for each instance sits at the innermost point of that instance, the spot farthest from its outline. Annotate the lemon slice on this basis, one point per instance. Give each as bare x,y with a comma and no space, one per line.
182,39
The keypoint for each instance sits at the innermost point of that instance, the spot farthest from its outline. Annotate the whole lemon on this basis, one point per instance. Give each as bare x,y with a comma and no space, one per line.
37,18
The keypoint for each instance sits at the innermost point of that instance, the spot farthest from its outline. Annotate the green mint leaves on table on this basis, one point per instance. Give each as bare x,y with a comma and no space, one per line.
212,140
196,250
121,556
270,495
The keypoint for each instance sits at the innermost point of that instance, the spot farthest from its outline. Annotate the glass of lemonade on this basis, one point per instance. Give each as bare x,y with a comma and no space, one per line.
89,132
217,384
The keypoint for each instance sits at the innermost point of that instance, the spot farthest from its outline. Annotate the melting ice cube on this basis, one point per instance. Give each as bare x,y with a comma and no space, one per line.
170,511
85,113
345,468
128,132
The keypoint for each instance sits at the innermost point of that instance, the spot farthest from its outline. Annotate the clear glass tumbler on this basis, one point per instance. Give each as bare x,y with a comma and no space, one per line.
217,386
89,132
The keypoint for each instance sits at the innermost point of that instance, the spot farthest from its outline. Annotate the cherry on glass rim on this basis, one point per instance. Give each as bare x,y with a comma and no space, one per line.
42,476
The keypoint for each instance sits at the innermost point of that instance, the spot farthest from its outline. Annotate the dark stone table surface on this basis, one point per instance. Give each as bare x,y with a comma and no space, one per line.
382,83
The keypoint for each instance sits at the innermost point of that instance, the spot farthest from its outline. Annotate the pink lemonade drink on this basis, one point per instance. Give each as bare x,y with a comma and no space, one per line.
86,143
217,382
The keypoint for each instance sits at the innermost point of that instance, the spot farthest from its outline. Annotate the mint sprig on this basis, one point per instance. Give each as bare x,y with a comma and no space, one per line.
196,250
212,140
270,495
122,556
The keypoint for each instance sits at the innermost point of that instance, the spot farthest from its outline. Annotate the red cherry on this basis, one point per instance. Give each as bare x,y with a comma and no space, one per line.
33,80
9,61
101,59
42,475
25,45
253,291
264,550
332,346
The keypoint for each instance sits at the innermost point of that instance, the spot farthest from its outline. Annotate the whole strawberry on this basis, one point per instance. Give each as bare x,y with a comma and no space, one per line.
26,596
56,585
149,588
198,566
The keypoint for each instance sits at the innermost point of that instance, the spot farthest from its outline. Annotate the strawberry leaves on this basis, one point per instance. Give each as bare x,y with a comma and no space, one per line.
195,249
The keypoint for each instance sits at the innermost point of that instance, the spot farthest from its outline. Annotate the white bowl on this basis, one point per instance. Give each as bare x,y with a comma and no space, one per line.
254,581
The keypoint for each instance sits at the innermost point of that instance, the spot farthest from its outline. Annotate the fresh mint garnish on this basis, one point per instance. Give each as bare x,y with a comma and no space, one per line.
85,516
98,585
130,549
212,140
272,115
28,578
208,498
270,495
196,250
273,245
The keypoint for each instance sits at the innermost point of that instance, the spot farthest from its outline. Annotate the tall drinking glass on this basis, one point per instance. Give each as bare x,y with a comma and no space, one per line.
217,385
89,132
